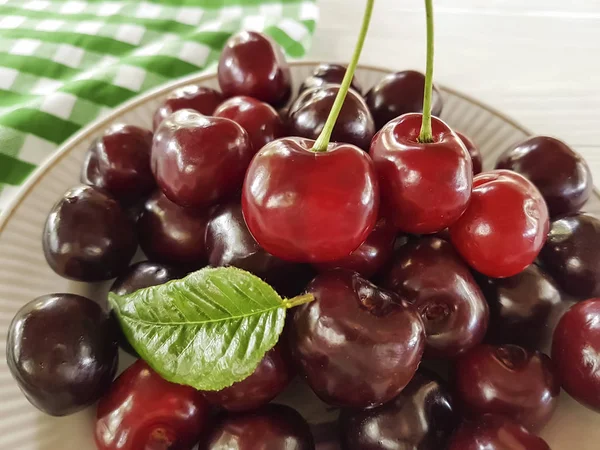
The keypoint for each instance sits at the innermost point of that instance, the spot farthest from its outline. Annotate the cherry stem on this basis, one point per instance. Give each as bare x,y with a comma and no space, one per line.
323,140
298,300
426,134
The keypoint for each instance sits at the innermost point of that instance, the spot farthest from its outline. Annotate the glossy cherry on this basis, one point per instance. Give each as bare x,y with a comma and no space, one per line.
572,254
62,351
199,98
400,93
521,307
576,352
356,344
561,175
473,151
421,417
507,380
429,274
309,112
495,433
372,255
273,427
171,234
143,411
424,187
253,64
118,162
326,73
88,236
199,160
505,225
310,206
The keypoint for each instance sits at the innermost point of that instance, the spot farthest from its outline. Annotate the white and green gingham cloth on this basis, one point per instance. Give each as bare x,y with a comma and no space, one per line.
64,63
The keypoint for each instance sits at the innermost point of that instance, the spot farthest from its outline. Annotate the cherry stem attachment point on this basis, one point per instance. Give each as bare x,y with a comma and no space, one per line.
426,134
298,300
323,140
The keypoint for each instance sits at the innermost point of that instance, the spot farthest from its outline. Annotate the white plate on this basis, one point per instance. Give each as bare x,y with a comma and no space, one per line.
25,275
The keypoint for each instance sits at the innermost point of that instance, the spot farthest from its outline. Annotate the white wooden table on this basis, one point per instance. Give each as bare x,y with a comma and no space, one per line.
535,60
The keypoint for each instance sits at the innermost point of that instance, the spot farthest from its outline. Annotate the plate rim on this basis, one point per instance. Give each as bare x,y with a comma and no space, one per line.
63,150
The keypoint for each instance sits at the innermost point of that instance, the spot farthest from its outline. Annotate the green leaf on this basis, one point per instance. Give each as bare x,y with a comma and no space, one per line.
208,330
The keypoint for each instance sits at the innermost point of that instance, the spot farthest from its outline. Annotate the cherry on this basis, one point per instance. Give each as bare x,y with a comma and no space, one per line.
308,114
495,433
507,380
429,274
400,93
171,234
308,206
425,187
199,98
88,236
505,225
326,73
572,254
118,162
199,160
421,417
62,351
252,64
143,411
521,307
372,255
576,352
273,427
356,344
473,151
561,175
259,119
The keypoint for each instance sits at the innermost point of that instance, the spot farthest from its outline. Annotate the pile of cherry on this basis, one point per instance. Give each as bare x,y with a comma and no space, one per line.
472,274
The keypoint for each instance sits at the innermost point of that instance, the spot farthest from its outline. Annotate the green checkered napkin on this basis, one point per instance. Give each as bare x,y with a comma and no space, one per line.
64,63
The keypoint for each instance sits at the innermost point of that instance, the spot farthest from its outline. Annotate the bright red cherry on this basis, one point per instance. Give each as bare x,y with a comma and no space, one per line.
473,151
259,119
424,187
308,206
198,160
252,64
326,73
143,411
505,225
199,98
576,352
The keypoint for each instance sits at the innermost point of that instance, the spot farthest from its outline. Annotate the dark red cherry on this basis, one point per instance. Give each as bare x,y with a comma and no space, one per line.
473,151
505,225
421,417
253,64
199,160
326,73
273,427
118,162
356,344
310,206
495,433
372,255
88,236
259,119
400,93
572,254
561,175
424,187
509,381
576,352
429,274
270,378
521,307
143,411
199,98
62,350
171,234
309,112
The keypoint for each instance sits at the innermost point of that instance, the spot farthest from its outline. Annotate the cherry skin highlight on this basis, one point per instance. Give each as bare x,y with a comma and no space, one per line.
199,98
